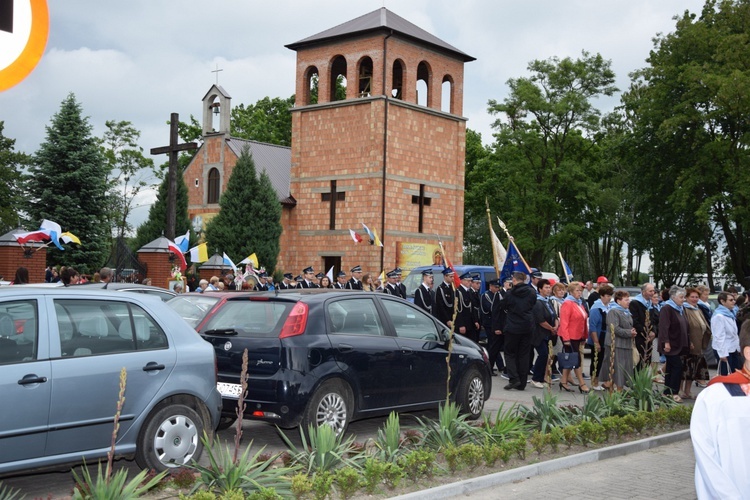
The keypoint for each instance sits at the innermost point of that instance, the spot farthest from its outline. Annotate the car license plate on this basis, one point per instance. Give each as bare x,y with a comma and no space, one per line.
229,390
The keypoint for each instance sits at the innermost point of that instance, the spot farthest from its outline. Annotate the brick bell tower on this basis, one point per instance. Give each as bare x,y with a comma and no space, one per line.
378,138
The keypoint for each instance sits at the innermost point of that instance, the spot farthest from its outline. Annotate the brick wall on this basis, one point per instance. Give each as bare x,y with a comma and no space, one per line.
158,267
12,257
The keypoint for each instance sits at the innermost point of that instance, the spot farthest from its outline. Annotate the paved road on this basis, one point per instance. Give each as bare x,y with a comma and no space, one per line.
665,473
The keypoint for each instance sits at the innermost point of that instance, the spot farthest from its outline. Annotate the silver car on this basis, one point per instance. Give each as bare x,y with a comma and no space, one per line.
61,353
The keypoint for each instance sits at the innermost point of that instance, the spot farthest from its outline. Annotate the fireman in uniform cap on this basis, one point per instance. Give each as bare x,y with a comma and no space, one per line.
424,295
355,282
308,275
261,285
392,288
444,298
285,284
401,286
467,322
340,281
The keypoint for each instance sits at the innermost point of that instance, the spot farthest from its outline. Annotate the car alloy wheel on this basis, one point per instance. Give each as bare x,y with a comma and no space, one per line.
476,395
331,405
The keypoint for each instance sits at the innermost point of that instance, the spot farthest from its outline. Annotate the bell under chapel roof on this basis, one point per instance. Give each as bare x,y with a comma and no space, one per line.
380,20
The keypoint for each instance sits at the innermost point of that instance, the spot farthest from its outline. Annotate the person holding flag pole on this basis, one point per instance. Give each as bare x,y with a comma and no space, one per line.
518,304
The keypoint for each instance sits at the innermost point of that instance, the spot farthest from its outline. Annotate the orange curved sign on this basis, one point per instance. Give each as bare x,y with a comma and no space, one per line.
21,66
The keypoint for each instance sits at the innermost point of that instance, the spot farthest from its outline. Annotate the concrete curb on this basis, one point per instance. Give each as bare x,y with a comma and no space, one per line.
466,486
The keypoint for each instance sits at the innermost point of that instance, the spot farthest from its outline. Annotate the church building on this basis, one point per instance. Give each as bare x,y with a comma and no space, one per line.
386,151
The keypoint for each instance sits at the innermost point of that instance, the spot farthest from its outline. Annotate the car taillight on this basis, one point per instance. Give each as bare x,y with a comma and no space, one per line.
296,322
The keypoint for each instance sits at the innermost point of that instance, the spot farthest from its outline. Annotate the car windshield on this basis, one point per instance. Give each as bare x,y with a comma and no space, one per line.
193,308
249,318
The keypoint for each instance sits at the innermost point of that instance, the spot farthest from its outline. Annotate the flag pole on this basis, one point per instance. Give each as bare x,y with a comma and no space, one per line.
502,226
565,269
494,250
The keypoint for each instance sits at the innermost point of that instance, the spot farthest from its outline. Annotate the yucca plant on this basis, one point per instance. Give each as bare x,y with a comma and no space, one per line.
617,403
246,473
7,493
326,450
389,443
642,393
110,485
507,425
450,429
544,413
113,487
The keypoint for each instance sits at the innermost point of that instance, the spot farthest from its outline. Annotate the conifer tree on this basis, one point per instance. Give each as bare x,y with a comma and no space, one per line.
10,182
249,219
67,185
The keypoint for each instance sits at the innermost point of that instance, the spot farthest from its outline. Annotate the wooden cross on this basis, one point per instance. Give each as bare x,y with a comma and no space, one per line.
422,201
333,196
217,73
172,151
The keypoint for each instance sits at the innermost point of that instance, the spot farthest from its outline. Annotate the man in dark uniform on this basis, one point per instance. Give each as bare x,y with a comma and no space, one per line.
355,282
518,302
476,285
424,295
261,285
536,275
284,285
466,321
444,298
308,280
340,281
401,286
391,288
490,308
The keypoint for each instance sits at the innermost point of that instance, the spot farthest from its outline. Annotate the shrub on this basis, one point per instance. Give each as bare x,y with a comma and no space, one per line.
301,486
470,454
538,441
322,483
264,494
373,471
491,453
347,481
418,463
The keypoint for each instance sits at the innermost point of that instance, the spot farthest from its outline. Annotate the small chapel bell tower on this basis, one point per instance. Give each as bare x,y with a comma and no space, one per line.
217,105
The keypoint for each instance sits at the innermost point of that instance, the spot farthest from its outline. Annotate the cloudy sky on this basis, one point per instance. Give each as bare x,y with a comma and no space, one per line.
140,60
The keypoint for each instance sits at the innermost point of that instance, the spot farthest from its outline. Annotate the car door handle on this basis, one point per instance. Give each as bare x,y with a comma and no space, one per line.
407,350
32,379
153,366
345,348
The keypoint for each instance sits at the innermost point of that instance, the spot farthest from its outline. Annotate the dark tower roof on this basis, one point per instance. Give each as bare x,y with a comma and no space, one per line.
382,20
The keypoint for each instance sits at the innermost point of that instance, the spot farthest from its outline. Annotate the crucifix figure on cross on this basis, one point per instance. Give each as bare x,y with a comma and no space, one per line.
172,151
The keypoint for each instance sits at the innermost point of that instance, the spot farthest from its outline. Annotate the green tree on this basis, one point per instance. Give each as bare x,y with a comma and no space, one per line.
10,182
128,171
249,219
692,104
67,184
268,120
537,176
156,222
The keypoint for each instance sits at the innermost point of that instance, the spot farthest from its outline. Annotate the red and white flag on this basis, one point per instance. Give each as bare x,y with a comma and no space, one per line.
178,254
356,237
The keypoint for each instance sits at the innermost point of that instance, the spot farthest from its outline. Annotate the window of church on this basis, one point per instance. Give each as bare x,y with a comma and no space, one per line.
446,99
424,77
214,186
365,77
397,84
338,79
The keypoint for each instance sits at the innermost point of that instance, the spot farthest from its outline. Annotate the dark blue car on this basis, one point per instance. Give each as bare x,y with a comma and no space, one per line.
319,356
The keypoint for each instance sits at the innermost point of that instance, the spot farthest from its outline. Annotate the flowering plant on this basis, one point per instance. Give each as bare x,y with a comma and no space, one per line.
176,274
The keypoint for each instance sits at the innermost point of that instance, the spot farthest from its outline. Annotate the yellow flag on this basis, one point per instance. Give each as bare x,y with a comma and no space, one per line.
68,237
